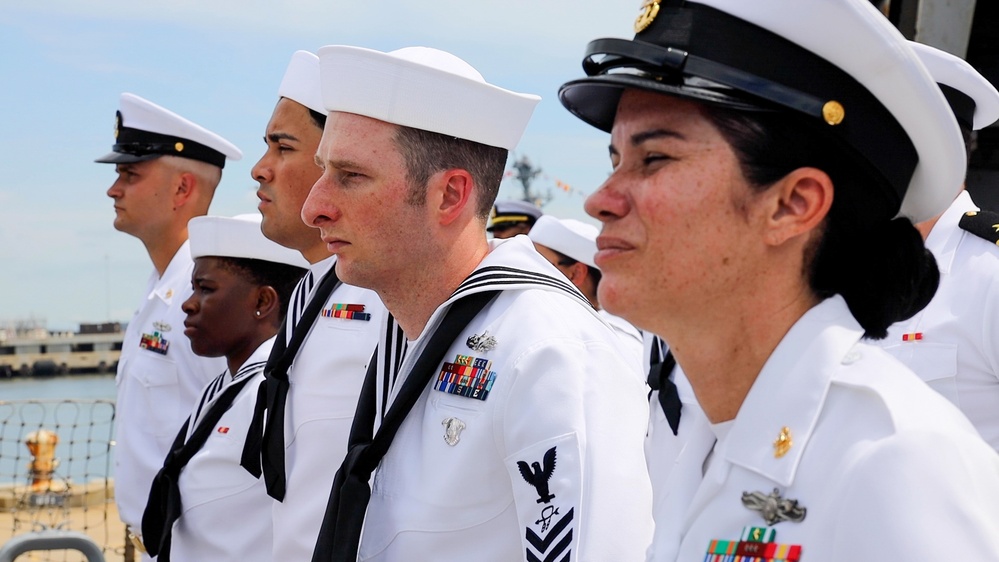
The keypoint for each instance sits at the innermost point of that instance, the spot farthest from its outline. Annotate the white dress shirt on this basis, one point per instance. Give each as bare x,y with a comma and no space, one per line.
884,468
227,512
159,381
325,378
564,410
953,343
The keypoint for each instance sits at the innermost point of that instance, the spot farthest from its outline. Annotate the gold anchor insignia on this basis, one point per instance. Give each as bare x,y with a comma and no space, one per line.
833,112
783,443
650,9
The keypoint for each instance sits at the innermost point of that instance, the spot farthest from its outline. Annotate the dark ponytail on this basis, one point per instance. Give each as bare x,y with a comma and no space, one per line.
885,273
879,265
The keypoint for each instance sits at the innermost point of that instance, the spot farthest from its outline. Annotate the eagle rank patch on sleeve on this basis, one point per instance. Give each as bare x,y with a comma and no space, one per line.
547,492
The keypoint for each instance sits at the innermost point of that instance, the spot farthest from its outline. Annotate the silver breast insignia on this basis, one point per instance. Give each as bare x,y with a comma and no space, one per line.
773,507
481,343
452,430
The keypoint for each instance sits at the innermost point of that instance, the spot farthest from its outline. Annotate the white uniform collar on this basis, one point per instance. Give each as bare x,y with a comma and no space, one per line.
175,277
255,362
941,240
511,264
320,268
510,254
790,391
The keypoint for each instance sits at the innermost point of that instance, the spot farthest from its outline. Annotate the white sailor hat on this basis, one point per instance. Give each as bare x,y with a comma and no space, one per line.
574,238
426,89
238,237
301,81
511,212
971,96
144,131
840,63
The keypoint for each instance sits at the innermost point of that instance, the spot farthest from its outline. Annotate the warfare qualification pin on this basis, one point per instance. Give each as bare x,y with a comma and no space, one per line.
773,507
481,343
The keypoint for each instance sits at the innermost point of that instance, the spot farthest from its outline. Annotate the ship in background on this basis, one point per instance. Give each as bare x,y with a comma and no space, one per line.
28,349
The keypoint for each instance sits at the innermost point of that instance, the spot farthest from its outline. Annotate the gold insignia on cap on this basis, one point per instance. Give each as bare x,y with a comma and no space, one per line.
650,9
179,147
971,213
833,112
783,443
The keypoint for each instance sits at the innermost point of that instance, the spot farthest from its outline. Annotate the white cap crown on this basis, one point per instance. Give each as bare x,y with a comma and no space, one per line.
956,73
144,130
571,237
238,237
426,89
301,81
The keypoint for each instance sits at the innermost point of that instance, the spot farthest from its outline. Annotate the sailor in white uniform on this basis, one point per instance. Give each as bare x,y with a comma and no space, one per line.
168,169
242,284
750,222
953,343
501,423
570,245
325,372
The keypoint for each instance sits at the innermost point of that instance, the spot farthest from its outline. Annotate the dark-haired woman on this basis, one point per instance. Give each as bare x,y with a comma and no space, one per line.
203,505
761,152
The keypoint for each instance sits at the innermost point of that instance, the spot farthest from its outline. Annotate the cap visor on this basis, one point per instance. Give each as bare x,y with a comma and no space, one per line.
123,158
595,99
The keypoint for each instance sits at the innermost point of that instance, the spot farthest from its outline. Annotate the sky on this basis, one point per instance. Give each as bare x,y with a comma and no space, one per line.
64,64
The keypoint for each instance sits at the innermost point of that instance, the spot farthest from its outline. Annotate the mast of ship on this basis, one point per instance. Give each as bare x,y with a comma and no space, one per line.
524,173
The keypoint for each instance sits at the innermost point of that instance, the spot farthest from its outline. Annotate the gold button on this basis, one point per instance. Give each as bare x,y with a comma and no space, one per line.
179,147
833,112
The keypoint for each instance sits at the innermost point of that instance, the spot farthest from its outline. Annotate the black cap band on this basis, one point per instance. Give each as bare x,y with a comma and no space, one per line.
137,142
698,52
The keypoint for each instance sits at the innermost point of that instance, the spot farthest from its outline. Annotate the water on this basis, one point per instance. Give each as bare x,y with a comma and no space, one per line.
78,408
60,388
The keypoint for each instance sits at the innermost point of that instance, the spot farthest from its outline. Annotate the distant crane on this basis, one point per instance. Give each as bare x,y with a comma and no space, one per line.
525,174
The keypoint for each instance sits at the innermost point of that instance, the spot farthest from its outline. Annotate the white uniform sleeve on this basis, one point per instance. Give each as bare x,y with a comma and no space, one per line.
573,429
947,509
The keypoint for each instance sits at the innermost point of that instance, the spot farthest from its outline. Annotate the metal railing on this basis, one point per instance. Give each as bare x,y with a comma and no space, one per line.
55,480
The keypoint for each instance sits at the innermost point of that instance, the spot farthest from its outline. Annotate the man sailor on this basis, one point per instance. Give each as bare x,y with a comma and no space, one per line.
500,424
953,343
316,385
168,169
